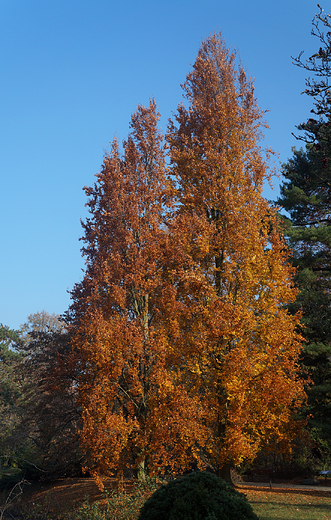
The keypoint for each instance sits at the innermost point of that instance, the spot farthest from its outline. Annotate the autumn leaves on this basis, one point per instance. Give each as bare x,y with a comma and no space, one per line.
185,352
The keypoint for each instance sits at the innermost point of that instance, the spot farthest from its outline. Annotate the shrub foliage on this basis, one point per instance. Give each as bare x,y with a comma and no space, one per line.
199,495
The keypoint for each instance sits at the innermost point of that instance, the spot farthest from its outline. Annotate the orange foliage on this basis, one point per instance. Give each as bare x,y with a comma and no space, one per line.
133,414
232,274
182,344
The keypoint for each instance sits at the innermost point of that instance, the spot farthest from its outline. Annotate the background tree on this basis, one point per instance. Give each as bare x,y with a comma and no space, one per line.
231,270
51,418
134,415
10,393
41,322
40,419
306,196
318,87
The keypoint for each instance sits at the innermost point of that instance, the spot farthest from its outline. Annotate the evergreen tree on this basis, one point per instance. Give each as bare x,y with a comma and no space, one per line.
309,234
11,393
306,196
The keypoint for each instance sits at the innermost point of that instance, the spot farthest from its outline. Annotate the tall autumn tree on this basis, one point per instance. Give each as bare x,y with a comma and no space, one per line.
230,266
133,412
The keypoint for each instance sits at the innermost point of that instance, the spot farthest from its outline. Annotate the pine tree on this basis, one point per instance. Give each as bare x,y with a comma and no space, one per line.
306,196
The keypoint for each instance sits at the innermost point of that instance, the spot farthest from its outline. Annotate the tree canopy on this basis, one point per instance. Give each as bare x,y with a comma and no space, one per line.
234,271
182,346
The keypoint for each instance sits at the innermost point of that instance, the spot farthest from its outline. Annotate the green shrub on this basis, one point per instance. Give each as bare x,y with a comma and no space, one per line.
197,496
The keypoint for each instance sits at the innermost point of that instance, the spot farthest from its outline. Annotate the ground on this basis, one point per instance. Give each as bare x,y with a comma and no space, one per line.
68,493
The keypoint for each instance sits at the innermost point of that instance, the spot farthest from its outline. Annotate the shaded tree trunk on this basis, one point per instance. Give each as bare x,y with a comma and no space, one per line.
225,473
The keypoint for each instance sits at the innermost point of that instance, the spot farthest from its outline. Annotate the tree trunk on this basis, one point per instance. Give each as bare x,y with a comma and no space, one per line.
141,471
225,474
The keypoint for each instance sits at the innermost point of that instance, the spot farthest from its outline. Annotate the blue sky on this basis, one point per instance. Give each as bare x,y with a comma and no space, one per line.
73,72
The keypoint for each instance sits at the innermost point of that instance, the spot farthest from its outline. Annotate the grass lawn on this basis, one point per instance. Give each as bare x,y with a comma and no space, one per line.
289,506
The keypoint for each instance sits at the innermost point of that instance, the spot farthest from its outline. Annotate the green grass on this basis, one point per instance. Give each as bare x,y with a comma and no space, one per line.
289,506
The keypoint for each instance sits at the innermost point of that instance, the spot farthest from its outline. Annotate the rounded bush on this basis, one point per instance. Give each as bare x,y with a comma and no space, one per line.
197,496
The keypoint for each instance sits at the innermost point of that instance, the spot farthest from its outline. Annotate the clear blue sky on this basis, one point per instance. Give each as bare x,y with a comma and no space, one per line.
72,73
